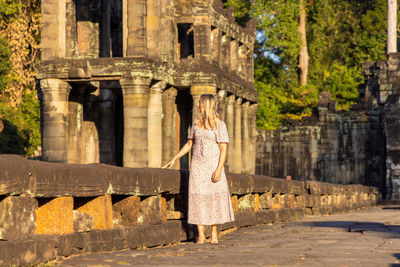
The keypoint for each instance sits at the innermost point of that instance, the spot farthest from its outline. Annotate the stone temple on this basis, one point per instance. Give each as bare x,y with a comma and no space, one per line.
119,80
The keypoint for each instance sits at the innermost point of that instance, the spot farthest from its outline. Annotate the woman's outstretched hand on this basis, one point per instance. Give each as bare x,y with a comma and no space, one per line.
169,164
216,176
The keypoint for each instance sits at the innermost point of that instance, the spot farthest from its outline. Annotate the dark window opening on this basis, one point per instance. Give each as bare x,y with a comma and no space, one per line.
185,40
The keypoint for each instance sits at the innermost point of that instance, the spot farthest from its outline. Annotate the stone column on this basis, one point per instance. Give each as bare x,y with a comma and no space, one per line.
392,26
71,25
153,28
168,51
75,129
169,125
234,47
134,27
226,51
245,138
53,29
55,114
253,137
136,96
237,153
242,62
229,121
196,91
154,132
202,37
216,44
250,66
221,95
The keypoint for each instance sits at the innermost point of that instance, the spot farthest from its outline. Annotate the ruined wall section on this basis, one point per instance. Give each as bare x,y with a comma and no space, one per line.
331,146
383,87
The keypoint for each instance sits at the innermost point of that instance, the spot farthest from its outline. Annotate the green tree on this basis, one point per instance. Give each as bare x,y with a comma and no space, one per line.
5,65
341,35
19,106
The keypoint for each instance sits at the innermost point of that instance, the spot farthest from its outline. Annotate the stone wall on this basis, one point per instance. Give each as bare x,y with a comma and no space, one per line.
382,89
50,210
335,147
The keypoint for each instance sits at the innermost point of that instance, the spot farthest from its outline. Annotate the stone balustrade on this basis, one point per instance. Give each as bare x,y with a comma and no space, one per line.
50,210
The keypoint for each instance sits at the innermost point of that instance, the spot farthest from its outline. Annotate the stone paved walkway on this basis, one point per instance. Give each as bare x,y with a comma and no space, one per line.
369,237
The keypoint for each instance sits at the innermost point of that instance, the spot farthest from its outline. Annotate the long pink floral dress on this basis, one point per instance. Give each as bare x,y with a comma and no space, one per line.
208,203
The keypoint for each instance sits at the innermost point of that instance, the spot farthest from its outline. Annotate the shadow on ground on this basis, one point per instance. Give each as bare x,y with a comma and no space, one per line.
390,231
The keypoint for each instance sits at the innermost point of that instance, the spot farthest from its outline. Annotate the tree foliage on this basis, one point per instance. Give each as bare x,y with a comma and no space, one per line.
19,50
341,34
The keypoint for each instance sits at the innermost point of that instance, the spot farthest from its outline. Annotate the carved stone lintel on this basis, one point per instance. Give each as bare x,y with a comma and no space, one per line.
135,85
54,86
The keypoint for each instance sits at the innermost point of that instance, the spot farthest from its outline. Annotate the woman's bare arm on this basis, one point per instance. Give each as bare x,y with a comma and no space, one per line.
223,147
185,149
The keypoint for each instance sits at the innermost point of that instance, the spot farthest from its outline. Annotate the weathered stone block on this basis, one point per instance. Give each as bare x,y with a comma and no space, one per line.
55,216
126,211
83,222
101,210
235,204
313,201
276,202
300,201
150,211
174,215
246,202
28,252
104,240
266,201
17,217
14,174
266,216
288,201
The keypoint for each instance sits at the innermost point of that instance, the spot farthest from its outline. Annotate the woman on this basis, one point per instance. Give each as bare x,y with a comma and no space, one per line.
209,200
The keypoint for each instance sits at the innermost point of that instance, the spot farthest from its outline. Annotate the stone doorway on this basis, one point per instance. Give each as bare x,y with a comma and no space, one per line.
95,123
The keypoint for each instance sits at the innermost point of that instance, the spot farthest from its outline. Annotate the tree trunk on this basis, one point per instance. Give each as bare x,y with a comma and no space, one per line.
303,55
392,27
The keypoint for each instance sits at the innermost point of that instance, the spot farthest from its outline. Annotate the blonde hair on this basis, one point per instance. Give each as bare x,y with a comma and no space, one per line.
208,113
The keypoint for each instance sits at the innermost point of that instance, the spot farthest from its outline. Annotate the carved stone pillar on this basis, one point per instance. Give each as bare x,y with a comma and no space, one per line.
237,153
196,91
75,129
242,62
134,27
253,137
202,37
136,97
216,45
53,29
226,51
234,47
154,132
221,95
55,113
229,121
153,28
245,138
169,125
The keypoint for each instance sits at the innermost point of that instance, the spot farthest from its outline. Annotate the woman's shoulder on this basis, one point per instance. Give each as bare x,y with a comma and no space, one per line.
220,121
